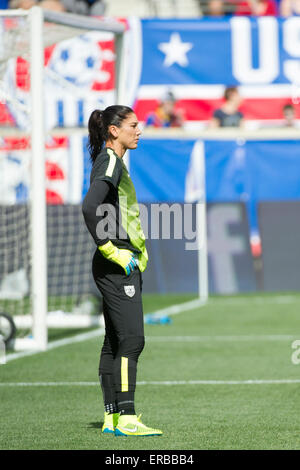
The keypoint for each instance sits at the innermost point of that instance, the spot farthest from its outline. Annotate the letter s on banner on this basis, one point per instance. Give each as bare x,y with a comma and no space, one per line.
291,43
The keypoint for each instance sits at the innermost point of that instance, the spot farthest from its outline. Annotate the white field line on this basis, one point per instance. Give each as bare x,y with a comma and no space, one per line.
162,339
56,344
172,310
175,309
179,308
242,300
156,382
196,339
221,382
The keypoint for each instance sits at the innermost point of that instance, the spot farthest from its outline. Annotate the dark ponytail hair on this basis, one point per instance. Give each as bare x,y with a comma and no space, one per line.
99,123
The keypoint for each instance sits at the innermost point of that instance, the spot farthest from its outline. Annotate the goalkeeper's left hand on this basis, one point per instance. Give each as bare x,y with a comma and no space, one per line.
120,256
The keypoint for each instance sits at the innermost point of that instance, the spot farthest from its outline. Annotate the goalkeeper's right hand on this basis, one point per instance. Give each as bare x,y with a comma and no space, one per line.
122,257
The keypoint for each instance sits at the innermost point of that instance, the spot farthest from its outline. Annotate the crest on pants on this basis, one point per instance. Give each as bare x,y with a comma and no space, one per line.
129,290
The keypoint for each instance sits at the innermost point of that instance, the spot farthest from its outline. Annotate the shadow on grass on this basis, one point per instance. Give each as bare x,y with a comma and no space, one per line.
95,425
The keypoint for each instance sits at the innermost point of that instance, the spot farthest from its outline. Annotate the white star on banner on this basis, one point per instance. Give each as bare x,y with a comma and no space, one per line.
175,51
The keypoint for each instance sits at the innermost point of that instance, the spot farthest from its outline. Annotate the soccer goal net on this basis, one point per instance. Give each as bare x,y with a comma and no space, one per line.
45,249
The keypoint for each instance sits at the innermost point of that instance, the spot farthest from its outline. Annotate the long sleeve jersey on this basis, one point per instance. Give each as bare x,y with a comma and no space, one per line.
110,207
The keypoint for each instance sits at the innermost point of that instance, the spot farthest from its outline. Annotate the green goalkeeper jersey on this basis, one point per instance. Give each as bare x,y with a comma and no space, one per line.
124,227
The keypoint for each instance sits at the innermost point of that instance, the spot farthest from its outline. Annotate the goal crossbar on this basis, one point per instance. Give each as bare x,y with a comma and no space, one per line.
72,20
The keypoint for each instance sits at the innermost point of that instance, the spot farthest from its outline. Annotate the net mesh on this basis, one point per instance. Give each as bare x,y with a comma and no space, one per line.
15,228
14,69
70,252
71,289
79,70
15,62
14,39
15,269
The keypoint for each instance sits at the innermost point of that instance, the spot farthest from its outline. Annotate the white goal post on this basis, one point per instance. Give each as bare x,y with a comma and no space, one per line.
39,36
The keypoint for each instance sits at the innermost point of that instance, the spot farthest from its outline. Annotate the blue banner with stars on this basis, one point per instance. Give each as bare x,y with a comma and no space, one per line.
235,51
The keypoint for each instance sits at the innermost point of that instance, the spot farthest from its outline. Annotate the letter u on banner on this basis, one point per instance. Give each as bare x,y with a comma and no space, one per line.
268,50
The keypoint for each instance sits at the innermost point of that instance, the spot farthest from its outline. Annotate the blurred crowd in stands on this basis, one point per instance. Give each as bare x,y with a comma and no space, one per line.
250,7
81,7
169,113
216,8
166,114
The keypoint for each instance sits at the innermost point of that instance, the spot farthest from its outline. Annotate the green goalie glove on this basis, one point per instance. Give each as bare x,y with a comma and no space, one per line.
122,257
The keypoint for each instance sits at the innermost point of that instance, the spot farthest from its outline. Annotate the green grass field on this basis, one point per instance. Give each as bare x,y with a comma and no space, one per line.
52,400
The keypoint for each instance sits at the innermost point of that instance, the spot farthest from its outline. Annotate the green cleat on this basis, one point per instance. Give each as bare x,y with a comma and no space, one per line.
110,423
131,425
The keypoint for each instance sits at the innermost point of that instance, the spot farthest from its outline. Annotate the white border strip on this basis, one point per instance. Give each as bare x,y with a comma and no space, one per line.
155,382
193,92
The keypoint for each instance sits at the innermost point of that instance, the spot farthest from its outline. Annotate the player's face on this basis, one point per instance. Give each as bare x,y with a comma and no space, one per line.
129,132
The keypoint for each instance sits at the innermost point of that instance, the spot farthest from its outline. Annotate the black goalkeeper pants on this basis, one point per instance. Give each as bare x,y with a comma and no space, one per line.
124,328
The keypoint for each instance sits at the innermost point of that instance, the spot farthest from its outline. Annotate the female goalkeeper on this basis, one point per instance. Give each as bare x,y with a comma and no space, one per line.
111,214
